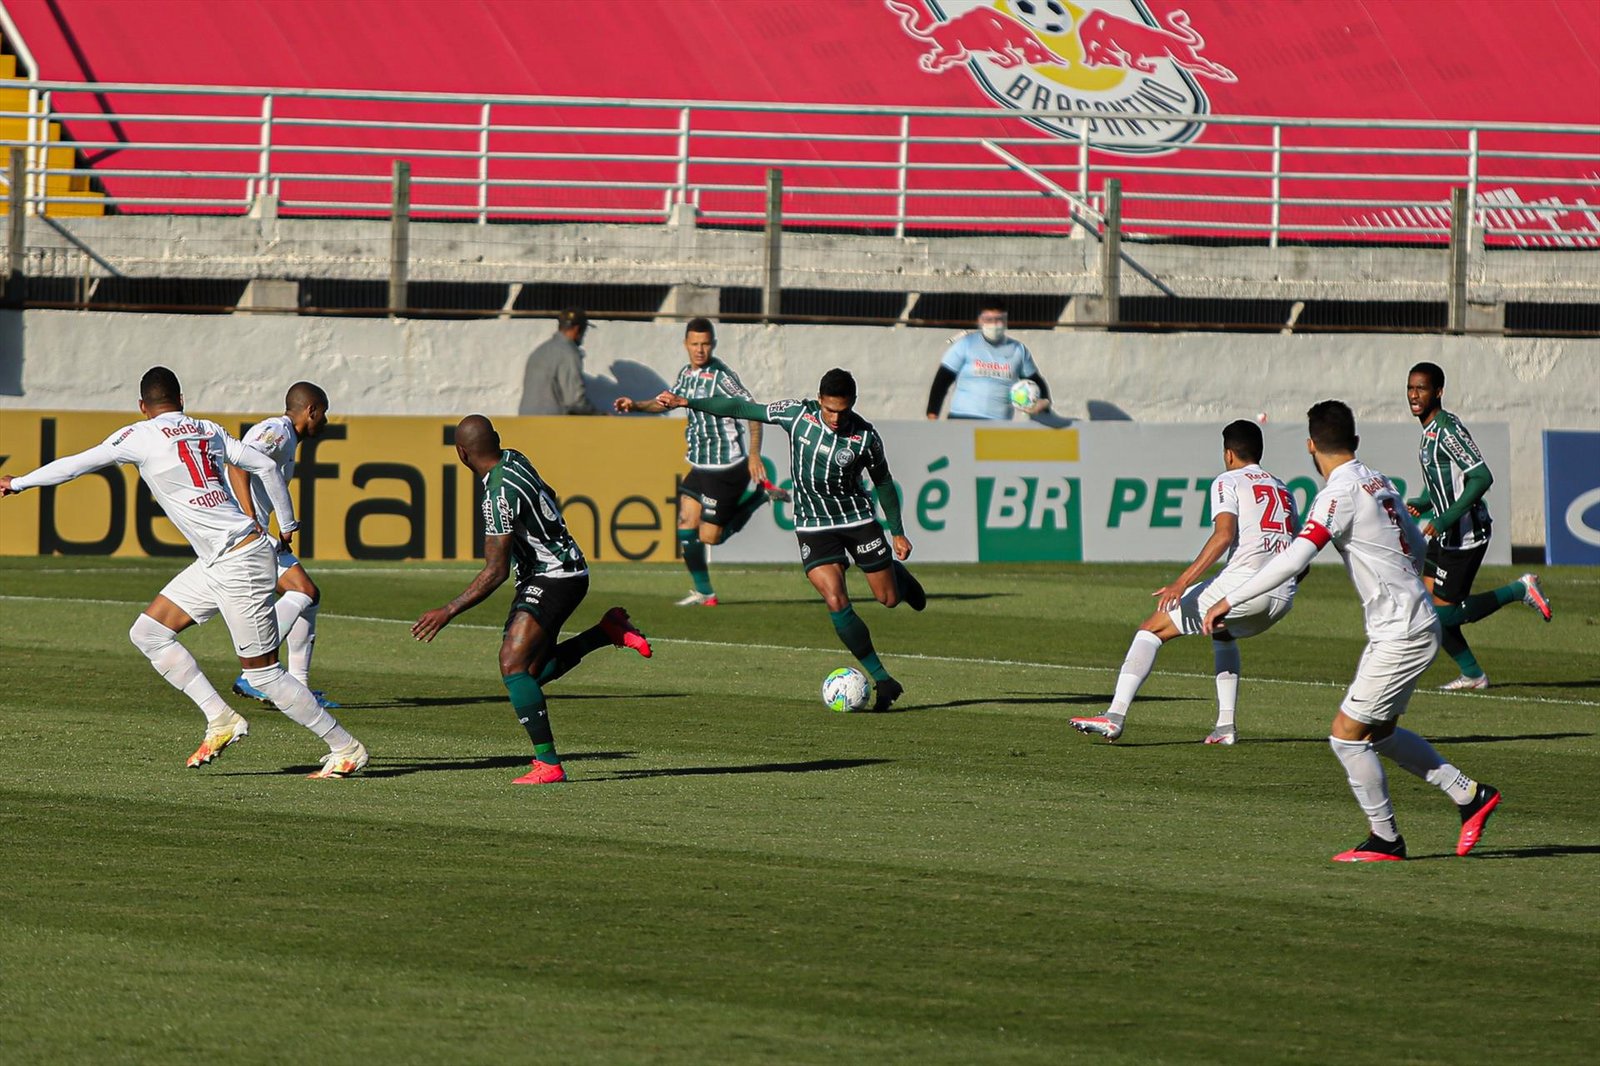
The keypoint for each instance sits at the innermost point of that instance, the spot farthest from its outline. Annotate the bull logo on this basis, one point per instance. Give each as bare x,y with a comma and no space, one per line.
978,31
1097,58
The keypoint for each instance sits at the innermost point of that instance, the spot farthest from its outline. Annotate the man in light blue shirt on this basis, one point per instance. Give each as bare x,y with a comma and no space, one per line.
983,366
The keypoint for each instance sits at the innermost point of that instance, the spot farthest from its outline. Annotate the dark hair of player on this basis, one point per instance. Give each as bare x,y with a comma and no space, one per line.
992,303
700,325
838,383
1435,374
1243,438
160,386
1331,425
303,394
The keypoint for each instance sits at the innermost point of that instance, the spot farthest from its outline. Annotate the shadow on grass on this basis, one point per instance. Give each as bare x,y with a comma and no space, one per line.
1473,739
1530,851
812,599
1593,682
1076,699
556,695
403,765
810,766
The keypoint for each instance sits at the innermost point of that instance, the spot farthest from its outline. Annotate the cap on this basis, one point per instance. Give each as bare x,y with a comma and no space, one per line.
571,316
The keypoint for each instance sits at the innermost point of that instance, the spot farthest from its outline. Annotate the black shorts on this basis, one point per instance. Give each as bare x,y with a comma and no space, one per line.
1453,570
551,601
866,544
718,490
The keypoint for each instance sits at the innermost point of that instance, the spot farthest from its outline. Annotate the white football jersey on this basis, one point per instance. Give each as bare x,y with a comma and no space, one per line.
181,459
1266,513
1360,512
276,439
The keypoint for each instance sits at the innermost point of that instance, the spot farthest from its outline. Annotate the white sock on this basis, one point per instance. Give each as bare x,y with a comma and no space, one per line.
1225,655
1135,668
1417,756
297,621
1365,771
174,663
291,696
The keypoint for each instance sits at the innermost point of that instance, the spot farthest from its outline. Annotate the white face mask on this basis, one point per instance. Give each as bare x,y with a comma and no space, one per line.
993,332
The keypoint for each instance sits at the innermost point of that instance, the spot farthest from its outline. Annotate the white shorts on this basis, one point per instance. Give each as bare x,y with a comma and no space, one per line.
1387,675
240,586
1244,619
286,562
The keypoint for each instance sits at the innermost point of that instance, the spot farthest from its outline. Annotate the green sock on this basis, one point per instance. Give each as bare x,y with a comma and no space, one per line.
570,653
694,557
527,699
1481,606
743,513
1455,645
853,632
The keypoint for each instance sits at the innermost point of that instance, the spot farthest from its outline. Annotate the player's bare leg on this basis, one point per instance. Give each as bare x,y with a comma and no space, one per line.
1226,662
692,542
1136,667
299,601
828,580
1358,745
524,650
155,633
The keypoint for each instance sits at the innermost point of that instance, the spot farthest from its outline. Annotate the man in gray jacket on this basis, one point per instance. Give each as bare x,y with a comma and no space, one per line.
553,383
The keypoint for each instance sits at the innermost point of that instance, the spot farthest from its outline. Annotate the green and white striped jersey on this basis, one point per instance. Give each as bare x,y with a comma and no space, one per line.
516,501
1448,452
827,466
712,440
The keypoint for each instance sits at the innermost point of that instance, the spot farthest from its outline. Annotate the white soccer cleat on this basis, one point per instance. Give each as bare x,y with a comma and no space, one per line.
217,738
1465,683
697,598
1223,734
342,763
1100,726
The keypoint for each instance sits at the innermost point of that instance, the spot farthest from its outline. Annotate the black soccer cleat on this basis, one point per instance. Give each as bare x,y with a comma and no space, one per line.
1375,849
888,691
1475,815
911,591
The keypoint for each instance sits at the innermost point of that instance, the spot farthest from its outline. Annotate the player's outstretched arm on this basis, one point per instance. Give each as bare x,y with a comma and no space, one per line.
1285,565
62,470
624,406
496,568
725,406
1223,531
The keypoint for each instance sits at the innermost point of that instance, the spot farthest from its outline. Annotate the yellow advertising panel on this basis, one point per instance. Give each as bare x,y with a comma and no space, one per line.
371,487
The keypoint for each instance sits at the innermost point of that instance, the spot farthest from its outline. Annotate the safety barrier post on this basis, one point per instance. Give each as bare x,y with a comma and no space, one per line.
1111,253
1460,230
1277,184
905,160
772,285
483,166
17,229
399,236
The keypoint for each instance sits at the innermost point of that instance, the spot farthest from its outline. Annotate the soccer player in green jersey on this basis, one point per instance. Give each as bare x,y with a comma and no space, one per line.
522,525
713,503
830,449
1455,520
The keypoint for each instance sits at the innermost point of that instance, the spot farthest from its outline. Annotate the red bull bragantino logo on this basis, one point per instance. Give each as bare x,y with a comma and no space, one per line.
1098,58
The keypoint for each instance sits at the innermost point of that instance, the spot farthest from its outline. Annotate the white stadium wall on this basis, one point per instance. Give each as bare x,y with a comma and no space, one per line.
71,361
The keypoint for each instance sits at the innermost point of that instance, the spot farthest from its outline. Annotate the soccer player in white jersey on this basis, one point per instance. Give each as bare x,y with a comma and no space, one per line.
1252,519
305,414
180,459
1359,512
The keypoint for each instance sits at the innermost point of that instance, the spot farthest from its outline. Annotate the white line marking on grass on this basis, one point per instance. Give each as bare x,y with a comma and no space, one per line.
969,659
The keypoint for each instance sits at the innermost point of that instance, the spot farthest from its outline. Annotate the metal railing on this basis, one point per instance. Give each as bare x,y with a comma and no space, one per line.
205,149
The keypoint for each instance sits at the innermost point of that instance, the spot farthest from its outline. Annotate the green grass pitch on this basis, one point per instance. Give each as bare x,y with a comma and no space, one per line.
736,874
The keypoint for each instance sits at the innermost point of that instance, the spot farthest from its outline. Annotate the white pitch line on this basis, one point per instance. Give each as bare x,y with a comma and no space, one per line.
960,659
